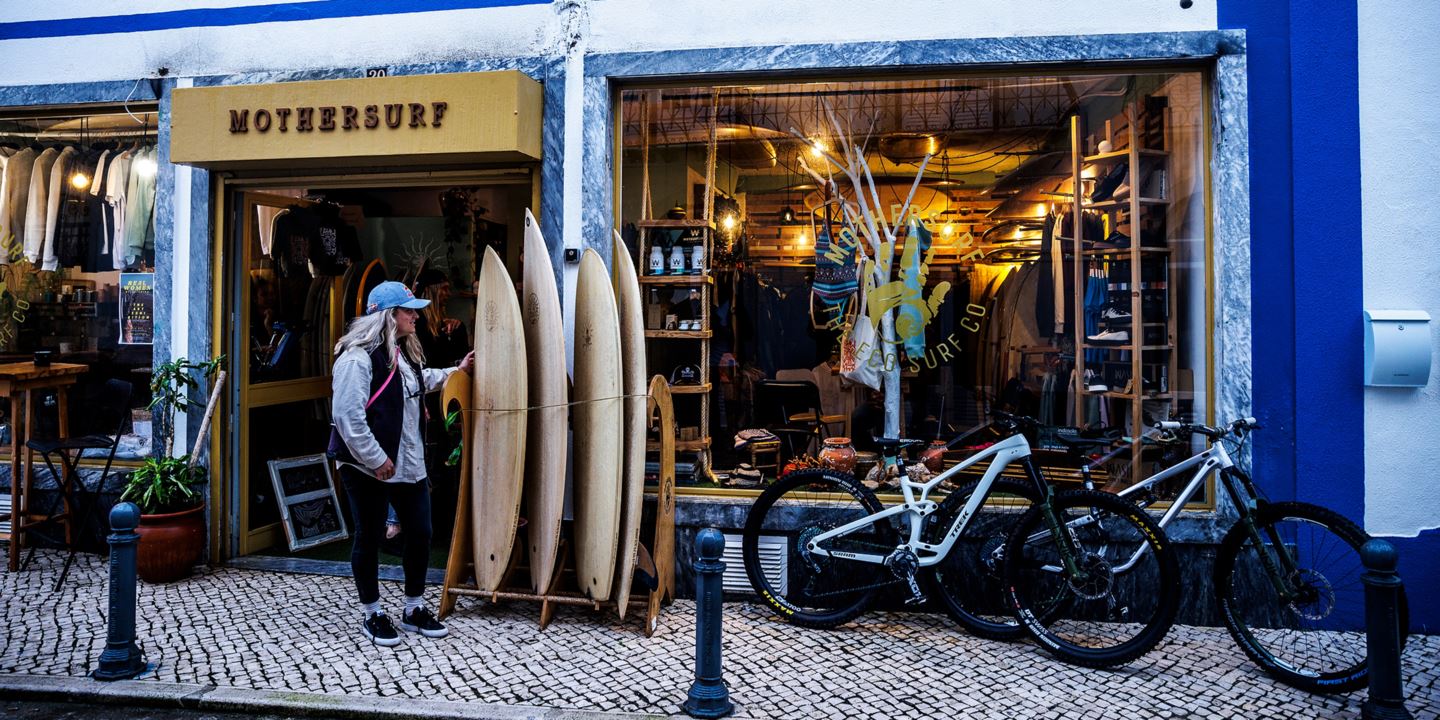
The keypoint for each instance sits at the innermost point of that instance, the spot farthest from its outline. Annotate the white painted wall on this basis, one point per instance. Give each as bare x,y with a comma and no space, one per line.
623,25
614,25
1399,144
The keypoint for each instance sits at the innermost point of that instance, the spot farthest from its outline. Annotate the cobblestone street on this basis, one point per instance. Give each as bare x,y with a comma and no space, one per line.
247,629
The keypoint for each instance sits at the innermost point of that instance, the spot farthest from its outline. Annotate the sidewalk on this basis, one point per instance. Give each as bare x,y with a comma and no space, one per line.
284,643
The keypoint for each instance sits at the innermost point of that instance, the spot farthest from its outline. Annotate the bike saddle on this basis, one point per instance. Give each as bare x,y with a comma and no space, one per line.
891,444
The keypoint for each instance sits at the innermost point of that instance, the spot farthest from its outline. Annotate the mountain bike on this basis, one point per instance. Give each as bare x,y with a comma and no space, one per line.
841,546
1287,574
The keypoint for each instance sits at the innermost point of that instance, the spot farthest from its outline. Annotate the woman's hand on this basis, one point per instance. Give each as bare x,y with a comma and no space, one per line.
386,471
448,325
468,364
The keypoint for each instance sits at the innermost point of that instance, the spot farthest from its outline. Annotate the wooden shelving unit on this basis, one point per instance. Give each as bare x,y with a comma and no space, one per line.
1133,211
696,229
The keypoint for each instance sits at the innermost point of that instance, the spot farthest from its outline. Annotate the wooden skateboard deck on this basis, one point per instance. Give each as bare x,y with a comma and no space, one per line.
500,392
548,422
598,428
632,371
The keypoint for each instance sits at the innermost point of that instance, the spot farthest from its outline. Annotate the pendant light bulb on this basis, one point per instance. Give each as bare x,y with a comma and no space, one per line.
80,180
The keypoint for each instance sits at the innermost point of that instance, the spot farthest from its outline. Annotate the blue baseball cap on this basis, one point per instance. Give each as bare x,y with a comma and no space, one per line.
392,294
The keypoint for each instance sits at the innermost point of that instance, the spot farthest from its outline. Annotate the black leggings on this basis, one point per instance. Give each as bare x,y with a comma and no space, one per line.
369,499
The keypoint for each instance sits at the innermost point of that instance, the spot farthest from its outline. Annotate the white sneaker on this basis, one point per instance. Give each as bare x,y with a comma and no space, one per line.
1094,383
1111,337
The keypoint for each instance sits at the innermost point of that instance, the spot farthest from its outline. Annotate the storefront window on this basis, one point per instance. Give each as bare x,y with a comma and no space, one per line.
1050,262
77,256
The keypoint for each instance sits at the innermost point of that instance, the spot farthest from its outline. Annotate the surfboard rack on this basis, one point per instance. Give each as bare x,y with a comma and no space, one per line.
459,567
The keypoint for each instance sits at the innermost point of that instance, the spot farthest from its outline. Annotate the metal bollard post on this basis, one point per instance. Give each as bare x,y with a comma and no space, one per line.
709,697
1382,632
122,658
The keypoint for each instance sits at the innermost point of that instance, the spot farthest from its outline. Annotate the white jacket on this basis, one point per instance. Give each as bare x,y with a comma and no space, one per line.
12,204
37,203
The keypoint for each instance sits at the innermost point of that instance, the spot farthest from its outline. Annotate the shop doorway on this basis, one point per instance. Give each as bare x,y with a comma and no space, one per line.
300,255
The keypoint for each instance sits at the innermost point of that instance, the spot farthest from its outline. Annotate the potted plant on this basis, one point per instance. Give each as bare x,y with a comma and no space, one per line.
166,486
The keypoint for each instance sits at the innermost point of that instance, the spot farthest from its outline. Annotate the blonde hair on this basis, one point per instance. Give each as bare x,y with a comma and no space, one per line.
368,331
434,314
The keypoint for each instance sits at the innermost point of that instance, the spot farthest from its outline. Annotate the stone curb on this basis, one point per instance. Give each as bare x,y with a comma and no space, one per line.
154,693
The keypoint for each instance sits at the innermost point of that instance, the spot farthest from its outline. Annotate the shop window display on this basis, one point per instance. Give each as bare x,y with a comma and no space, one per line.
1050,262
77,256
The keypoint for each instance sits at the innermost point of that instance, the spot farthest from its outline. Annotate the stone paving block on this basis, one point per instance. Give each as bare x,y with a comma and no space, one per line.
219,628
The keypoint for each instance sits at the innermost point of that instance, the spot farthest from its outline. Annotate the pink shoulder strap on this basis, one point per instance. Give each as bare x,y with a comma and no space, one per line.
394,365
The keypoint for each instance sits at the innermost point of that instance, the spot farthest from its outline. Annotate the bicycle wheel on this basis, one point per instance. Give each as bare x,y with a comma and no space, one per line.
1123,598
1316,641
810,589
969,580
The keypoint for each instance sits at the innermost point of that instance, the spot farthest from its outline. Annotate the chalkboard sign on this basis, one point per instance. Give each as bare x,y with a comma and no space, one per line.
309,508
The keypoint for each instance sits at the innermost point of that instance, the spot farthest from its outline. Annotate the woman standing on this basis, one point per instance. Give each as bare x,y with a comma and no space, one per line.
378,442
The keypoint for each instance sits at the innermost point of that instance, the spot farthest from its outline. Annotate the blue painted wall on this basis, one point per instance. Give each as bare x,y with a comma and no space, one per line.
1307,265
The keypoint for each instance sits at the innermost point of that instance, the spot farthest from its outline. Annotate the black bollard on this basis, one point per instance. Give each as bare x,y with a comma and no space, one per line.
709,697
122,658
1382,632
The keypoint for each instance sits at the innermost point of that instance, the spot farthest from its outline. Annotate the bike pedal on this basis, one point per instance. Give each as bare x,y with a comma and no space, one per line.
917,600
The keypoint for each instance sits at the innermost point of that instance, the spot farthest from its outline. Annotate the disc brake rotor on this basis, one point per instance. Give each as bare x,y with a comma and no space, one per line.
1098,578
1315,596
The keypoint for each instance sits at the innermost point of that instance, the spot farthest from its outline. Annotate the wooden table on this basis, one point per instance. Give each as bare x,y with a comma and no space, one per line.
20,381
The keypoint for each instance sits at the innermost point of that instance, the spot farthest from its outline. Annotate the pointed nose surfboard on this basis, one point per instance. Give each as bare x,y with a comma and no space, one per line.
598,427
500,398
549,417
632,483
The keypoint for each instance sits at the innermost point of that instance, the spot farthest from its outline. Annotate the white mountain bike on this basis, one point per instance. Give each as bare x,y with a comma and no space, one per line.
1287,575
842,546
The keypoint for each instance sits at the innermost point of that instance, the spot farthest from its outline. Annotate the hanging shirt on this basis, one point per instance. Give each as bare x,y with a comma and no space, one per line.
140,207
36,203
72,224
60,179
116,182
12,205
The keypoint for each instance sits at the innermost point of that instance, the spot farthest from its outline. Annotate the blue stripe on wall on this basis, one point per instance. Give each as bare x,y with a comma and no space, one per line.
1267,42
1329,290
250,15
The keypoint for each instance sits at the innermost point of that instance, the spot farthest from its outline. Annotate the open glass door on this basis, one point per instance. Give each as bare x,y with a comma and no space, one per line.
287,325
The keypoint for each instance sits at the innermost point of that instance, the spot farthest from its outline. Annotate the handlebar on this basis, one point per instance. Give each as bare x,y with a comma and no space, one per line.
1016,420
1238,427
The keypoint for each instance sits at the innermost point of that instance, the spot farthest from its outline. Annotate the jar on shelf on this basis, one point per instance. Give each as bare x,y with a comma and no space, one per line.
838,454
934,456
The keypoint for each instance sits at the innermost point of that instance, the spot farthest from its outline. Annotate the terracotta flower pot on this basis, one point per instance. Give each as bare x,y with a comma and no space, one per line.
170,544
934,456
838,455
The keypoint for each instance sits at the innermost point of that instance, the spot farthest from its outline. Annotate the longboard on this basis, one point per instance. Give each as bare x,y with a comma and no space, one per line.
500,391
598,426
545,452
632,372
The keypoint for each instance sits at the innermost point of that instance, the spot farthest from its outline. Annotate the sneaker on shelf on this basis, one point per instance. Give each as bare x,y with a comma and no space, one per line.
420,620
380,630
1094,383
1111,337
1114,314
1122,192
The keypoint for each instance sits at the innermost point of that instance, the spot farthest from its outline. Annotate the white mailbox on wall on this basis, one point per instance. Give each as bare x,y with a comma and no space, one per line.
1397,348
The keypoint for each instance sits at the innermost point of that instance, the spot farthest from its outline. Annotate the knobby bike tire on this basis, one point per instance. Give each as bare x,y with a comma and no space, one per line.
1060,611
970,580
799,505
1327,625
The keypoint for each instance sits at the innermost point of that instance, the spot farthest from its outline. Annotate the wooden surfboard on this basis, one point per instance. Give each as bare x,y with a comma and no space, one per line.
632,373
598,426
549,386
500,391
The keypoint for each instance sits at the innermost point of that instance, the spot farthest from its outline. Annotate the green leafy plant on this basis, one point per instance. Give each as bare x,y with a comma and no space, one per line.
166,483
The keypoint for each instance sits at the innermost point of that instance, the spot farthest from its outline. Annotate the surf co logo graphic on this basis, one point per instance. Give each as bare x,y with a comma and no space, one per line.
914,304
